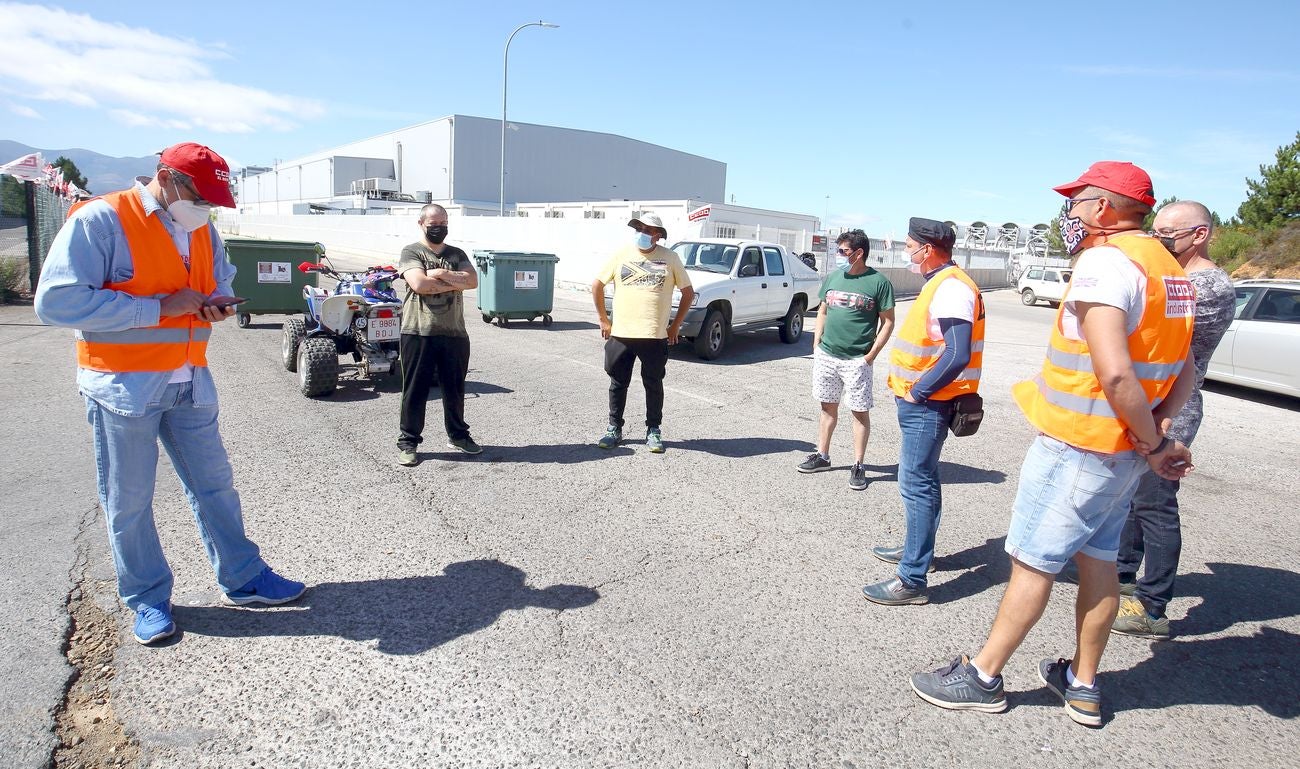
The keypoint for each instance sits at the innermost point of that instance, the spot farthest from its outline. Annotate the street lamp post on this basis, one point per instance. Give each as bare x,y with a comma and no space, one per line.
505,73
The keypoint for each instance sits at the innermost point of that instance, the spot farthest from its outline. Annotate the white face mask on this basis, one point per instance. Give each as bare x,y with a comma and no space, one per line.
187,214
912,266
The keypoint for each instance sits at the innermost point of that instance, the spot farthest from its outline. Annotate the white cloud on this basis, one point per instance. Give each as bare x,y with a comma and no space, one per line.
141,77
24,111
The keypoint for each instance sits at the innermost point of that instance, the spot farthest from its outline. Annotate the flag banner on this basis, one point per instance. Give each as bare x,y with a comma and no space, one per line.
27,167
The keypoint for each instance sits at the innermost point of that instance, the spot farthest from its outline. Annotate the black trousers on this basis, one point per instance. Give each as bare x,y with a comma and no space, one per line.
1153,533
620,356
426,359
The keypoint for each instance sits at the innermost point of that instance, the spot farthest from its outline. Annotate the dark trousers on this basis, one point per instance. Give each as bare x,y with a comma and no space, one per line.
1152,533
620,355
426,359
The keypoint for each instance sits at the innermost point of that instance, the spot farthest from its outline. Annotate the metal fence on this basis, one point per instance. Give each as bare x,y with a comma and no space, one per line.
28,223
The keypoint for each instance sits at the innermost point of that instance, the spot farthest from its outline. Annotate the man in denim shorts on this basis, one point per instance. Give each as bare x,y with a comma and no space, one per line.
1118,365
853,326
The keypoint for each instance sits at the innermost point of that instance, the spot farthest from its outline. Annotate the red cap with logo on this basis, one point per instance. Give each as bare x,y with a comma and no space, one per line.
1114,176
207,169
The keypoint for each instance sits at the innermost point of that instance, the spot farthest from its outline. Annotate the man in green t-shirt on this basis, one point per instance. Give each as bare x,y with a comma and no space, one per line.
644,274
853,325
434,346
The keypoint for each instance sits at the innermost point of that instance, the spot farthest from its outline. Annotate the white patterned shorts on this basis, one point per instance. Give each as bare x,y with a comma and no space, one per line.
836,378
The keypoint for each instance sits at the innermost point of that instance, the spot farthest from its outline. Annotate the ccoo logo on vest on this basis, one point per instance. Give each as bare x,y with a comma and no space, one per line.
1180,297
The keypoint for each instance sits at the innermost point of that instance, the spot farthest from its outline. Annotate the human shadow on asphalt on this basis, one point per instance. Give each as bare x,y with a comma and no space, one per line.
740,448
744,347
557,453
353,388
983,567
408,615
949,472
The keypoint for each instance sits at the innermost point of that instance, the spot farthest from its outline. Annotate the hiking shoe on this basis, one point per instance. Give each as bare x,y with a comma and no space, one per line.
465,445
815,463
958,687
1083,704
154,623
612,437
1134,620
654,441
267,588
407,458
858,476
894,555
892,592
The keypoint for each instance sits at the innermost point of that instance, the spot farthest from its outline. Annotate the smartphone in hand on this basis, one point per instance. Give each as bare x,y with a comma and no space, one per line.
222,302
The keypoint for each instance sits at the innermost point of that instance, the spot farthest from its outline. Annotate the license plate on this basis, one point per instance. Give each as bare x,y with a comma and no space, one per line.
383,329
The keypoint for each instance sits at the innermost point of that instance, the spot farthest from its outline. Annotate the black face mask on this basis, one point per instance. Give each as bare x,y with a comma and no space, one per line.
1168,243
436,233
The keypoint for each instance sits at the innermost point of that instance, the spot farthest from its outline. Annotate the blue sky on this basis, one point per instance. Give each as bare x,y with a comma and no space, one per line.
951,110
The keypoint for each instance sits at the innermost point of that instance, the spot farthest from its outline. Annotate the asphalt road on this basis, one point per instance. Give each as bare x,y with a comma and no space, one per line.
552,604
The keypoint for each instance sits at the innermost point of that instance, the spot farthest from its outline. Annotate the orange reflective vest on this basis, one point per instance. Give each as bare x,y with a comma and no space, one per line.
159,270
915,352
1066,401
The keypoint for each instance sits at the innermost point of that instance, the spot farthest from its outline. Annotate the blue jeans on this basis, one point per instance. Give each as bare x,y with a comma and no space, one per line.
1153,532
126,457
924,427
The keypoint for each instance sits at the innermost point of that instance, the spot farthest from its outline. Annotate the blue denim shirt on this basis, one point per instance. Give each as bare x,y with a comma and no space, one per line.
90,252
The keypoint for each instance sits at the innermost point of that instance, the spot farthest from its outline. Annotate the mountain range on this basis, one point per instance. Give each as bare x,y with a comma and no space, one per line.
103,173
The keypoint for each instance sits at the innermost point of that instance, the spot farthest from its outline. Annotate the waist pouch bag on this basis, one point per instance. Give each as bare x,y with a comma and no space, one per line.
967,413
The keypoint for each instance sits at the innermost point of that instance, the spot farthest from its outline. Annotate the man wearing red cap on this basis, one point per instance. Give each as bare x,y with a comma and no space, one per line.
142,275
1118,367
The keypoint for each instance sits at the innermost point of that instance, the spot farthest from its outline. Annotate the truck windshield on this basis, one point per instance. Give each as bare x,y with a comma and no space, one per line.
707,257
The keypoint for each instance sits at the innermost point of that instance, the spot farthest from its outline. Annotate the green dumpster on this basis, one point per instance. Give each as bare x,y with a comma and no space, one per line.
268,275
513,285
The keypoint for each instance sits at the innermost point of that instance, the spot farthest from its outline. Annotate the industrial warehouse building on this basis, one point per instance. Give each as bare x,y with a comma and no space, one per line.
456,161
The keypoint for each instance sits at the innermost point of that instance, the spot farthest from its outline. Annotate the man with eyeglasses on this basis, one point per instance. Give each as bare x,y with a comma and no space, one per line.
1153,533
1118,367
142,275
853,325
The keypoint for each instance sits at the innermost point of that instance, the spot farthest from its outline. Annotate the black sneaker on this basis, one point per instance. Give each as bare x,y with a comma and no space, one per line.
815,463
465,445
857,476
892,592
1082,703
958,687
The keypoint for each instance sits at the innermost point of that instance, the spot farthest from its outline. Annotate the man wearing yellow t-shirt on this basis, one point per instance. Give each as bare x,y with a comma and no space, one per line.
645,275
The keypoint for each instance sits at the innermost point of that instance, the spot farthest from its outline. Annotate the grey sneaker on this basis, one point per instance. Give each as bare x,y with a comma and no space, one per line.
894,555
1083,704
654,441
1128,589
465,445
958,687
1134,620
407,458
612,437
892,592
815,463
858,476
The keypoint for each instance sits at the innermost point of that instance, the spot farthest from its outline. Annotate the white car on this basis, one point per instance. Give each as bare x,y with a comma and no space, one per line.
1045,283
1261,348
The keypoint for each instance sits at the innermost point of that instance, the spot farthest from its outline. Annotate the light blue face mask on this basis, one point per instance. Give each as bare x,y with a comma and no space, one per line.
644,241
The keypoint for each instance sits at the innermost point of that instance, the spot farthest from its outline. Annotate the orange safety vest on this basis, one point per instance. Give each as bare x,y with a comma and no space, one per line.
1066,401
915,353
159,270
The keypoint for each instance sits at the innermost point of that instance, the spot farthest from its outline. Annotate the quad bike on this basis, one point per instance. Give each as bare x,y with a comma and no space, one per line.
360,316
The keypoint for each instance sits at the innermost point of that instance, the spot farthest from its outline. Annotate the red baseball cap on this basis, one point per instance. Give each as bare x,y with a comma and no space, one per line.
1114,176
207,169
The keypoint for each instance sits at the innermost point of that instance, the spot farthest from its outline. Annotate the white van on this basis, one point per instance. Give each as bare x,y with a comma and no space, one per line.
1045,283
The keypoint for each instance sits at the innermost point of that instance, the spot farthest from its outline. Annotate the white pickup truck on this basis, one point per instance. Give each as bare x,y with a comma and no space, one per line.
741,285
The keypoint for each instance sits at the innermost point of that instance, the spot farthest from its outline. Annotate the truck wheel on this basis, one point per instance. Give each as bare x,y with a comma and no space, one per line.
713,335
1027,297
294,330
792,326
318,366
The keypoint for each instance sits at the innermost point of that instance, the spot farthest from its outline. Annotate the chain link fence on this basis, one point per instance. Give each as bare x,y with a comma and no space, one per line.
30,216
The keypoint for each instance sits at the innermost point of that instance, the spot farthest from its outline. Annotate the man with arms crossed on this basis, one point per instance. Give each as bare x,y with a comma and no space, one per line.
1118,365
853,325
